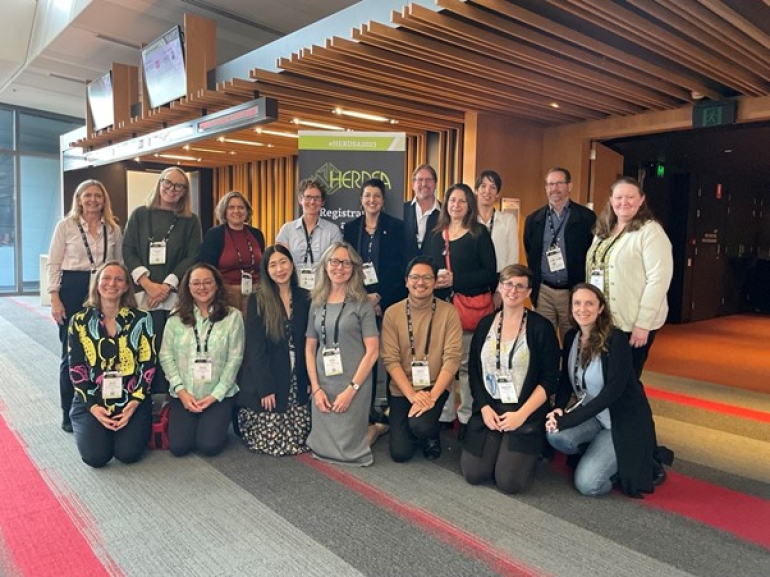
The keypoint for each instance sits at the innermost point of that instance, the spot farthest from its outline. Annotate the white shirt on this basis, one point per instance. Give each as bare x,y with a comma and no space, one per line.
422,218
67,251
505,237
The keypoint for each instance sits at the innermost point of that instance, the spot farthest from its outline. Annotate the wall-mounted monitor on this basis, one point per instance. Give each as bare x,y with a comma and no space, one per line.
101,102
164,69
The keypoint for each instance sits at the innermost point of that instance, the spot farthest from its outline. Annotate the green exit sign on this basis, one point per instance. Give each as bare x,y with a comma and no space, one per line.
705,114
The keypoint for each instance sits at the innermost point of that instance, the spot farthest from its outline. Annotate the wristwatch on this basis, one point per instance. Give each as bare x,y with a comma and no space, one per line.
355,385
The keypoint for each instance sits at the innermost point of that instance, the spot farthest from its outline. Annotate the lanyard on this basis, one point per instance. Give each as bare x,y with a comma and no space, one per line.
121,329
198,339
411,333
308,240
579,385
555,232
248,243
168,233
491,222
368,255
336,325
88,248
606,252
500,339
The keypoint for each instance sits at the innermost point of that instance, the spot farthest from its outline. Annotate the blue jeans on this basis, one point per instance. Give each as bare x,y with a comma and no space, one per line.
598,463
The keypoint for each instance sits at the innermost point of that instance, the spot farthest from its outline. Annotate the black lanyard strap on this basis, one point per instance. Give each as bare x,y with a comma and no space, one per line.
91,258
578,385
606,252
168,233
198,339
555,232
309,240
500,339
410,328
491,226
367,256
237,252
336,325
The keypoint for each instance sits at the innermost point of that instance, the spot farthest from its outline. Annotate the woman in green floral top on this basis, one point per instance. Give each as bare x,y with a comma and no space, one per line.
201,354
112,363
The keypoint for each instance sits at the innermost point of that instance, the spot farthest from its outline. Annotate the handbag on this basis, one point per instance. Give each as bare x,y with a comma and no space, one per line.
470,308
159,434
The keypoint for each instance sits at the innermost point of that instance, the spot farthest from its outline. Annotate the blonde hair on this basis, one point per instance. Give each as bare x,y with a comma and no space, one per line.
183,205
77,209
355,290
127,299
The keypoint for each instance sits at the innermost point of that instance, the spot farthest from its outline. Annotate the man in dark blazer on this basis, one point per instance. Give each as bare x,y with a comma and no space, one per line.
421,213
557,237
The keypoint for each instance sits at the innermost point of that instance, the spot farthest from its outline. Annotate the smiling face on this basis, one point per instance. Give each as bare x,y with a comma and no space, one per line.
203,287
339,267
280,269
626,200
311,201
557,189
372,200
420,282
487,193
91,200
173,187
112,284
514,291
424,186
585,308
457,205
236,213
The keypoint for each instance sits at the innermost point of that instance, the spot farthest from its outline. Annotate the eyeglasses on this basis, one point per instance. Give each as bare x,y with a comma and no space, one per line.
423,180
177,186
335,262
555,184
509,286
421,277
313,198
201,283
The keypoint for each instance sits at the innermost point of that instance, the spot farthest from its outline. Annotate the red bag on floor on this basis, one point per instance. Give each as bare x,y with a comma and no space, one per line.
159,435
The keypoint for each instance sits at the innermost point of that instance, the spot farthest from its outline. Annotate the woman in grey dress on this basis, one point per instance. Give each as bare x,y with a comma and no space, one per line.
341,348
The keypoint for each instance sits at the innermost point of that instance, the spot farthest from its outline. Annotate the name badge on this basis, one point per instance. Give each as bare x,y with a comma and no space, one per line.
202,370
112,385
420,375
246,283
332,362
370,275
597,279
555,259
507,389
158,252
306,277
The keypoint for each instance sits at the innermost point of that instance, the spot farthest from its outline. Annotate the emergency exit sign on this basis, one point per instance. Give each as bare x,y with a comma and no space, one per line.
705,114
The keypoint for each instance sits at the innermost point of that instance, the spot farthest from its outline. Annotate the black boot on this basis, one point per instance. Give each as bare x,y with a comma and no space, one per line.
66,424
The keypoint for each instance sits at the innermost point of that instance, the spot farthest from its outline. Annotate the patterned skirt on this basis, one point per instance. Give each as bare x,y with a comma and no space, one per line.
277,434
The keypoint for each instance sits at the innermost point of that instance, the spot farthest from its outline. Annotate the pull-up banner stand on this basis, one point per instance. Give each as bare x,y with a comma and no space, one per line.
345,160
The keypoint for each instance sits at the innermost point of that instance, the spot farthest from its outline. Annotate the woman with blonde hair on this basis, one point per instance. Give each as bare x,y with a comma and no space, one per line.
83,240
341,347
161,242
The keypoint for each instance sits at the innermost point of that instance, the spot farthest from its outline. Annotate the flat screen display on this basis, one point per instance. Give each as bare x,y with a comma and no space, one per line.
164,70
100,101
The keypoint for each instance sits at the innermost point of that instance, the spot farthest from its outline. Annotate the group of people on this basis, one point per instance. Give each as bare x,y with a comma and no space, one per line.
285,341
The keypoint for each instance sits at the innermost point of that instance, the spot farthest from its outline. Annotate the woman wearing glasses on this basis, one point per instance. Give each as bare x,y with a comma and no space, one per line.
83,240
161,242
341,348
201,353
513,368
235,248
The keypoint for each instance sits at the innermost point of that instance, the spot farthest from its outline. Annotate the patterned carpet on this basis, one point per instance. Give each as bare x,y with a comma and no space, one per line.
243,514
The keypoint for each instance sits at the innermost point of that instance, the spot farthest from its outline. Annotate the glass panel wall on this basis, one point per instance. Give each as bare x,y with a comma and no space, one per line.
7,224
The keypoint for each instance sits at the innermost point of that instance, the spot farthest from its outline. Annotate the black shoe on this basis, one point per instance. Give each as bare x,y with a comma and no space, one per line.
432,449
66,424
461,432
658,474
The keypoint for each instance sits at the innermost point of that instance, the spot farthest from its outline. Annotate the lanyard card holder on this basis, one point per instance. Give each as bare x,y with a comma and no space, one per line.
112,385
420,375
158,252
332,361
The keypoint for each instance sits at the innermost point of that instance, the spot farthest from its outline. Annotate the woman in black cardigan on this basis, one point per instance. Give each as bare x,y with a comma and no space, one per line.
510,383
610,422
274,417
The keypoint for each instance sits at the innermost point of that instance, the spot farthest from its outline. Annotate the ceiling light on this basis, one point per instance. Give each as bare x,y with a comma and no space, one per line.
728,150
276,133
235,141
361,115
211,150
320,125
554,105
178,157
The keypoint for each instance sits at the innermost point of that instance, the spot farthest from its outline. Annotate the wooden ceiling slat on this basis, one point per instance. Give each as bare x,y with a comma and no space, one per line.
515,41
603,49
451,57
657,40
747,27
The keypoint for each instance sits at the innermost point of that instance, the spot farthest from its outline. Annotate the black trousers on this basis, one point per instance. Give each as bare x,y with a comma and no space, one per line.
639,355
159,384
407,432
510,470
73,292
98,445
205,432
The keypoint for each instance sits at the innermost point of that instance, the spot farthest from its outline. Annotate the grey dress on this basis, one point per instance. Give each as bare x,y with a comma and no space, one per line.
341,437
